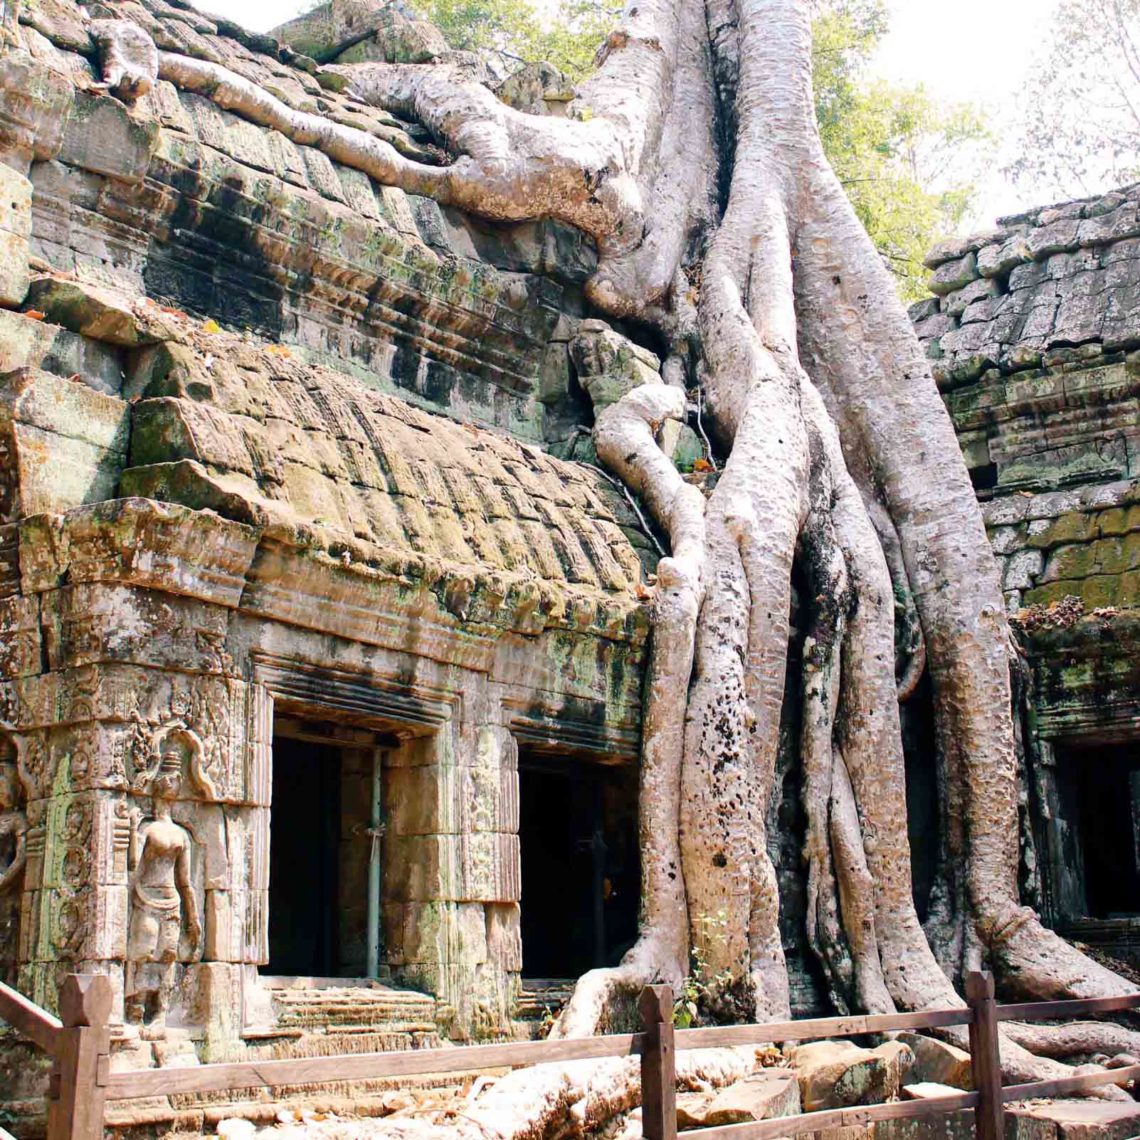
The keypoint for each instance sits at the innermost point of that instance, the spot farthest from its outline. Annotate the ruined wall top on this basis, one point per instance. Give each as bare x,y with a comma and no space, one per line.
1033,336
1054,286
171,196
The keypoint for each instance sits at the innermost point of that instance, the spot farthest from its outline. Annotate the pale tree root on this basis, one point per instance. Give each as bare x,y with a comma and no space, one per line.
625,437
1077,1039
869,362
858,466
572,1099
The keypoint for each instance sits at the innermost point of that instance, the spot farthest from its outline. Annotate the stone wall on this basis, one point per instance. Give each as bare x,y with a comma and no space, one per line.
184,202
276,442
1034,339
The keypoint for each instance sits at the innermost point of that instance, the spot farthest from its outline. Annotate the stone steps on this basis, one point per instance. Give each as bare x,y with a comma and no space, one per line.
354,1009
538,997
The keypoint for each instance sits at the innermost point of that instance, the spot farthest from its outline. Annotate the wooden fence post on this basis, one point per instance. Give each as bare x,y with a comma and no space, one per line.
658,1065
985,1056
77,1093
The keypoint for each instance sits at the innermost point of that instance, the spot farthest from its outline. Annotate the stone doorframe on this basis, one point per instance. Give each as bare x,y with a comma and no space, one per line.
416,714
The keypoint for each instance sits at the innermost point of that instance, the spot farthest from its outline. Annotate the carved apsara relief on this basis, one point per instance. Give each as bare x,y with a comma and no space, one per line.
13,860
163,905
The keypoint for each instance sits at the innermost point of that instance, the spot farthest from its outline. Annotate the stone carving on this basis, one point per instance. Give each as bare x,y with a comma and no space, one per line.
162,747
13,855
162,902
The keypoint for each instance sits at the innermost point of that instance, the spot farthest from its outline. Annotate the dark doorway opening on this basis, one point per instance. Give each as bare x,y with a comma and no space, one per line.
580,864
920,750
1100,791
321,845
303,874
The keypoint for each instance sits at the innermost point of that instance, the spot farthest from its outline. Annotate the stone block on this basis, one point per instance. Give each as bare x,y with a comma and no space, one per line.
956,303
999,259
445,932
21,646
28,343
835,1074
504,936
1022,569
99,314
1077,1120
101,136
768,1093
67,444
15,275
15,202
609,365
937,1062
954,275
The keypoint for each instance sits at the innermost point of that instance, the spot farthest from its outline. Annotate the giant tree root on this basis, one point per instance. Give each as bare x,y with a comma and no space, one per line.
693,156
566,1100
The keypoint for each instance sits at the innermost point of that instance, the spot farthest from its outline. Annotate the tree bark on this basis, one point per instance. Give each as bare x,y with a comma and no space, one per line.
693,159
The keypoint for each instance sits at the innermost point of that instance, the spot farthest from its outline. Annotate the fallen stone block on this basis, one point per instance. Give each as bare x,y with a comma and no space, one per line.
768,1093
836,1074
692,1109
937,1061
1085,1119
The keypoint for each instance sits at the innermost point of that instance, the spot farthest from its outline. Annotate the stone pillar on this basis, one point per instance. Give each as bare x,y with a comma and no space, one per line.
130,747
15,236
451,872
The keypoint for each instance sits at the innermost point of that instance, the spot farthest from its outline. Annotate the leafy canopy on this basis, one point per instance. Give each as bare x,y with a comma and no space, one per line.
1080,131
516,31
899,153
904,159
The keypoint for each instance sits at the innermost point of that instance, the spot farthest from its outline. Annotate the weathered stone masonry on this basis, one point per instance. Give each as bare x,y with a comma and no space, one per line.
205,532
1034,337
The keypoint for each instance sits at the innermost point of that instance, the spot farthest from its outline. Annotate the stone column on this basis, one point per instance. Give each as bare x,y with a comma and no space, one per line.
451,872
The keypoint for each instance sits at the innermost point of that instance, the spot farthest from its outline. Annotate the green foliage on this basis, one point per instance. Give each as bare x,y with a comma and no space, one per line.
1080,129
701,990
899,153
514,29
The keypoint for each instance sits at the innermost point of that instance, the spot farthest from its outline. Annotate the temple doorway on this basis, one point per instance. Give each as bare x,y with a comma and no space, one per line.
580,864
1100,787
320,847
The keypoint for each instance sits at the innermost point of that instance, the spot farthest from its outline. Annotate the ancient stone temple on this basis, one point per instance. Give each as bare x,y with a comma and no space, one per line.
300,604
323,635
1034,336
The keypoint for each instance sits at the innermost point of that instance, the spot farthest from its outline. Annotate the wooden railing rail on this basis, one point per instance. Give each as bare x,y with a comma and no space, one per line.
363,1066
82,1083
724,1036
23,1015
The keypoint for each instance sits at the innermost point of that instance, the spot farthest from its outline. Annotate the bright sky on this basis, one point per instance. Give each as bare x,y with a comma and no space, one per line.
977,51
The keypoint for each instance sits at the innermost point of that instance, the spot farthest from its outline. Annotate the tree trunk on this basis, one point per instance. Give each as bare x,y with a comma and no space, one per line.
693,160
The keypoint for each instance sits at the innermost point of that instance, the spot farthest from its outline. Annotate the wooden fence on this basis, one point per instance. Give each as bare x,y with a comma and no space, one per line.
82,1081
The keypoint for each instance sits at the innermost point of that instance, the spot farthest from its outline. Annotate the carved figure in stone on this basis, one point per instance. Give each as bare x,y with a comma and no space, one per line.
174,738
13,856
128,58
161,894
